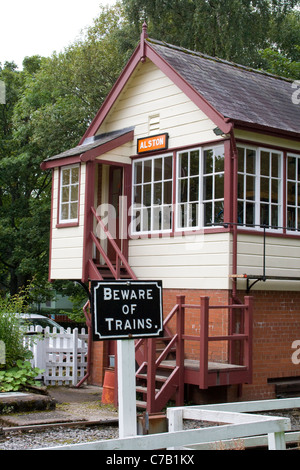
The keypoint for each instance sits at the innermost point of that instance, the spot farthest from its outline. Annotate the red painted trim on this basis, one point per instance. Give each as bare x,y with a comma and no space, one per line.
60,162
51,227
274,132
199,100
148,52
269,146
113,95
60,224
228,182
207,143
102,149
88,219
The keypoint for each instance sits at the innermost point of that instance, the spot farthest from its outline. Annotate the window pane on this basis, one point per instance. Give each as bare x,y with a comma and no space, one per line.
275,165
167,218
219,187
138,172
291,193
157,194
168,192
66,177
207,187
265,164
65,211
147,171
219,212
168,168
194,189
275,191
194,215
65,194
219,162
138,195
183,185
194,163
264,214
75,175
157,218
250,214
241,186
291,217
241,160
208,161
184,165
208,213
274,214
158,169
74,193
250,161
250,189
73,210
147,195
264,189
291,168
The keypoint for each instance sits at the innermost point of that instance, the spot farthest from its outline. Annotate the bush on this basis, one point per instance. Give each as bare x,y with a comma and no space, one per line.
19,377
11,330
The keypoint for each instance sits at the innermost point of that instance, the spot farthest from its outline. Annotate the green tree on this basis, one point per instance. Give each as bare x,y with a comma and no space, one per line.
233,30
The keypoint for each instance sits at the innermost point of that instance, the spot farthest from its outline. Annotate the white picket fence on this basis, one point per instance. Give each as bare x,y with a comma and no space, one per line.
61,354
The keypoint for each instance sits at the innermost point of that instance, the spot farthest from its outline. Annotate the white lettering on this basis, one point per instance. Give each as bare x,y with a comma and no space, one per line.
109,320
125,309
107,293
296,355
296,94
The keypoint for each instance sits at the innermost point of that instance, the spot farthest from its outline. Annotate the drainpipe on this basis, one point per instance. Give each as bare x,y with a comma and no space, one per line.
89,355
234,153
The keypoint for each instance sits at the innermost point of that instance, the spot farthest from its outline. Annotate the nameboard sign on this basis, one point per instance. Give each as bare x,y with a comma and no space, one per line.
153,143
127,309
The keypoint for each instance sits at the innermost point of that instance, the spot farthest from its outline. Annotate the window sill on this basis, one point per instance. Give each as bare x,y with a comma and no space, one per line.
67,224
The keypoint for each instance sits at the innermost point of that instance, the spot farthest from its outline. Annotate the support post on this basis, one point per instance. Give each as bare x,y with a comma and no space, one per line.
127,389
276,441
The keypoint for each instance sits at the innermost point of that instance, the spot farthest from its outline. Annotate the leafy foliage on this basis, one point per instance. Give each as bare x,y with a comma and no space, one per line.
19,377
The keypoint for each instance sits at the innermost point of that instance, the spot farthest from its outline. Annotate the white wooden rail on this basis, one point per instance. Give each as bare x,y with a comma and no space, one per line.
61,354
237,424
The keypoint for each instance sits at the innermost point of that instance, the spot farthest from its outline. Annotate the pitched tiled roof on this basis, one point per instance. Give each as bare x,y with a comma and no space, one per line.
244,95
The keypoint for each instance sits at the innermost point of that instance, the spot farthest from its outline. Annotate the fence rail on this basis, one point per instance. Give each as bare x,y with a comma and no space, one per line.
61,354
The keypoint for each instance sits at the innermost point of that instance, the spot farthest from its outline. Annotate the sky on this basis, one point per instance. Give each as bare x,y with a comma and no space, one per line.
30,27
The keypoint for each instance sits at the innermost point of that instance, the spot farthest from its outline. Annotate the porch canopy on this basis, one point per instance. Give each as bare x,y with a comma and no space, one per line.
91,148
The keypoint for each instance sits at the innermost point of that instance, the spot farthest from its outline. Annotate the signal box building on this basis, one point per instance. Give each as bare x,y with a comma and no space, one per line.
190,174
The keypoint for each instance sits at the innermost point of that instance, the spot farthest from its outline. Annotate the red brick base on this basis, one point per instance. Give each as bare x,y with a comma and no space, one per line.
276,327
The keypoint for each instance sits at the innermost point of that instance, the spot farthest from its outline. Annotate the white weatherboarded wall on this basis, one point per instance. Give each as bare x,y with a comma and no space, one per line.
67,243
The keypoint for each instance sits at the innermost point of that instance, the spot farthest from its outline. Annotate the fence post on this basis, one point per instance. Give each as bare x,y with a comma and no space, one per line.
40,359
204,330
75,357
180,349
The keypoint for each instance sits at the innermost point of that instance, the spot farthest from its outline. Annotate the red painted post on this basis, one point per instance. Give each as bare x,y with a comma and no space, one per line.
151,373
248,330
180,349
204,331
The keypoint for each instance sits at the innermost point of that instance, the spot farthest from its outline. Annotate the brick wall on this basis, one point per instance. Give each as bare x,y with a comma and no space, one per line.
276,327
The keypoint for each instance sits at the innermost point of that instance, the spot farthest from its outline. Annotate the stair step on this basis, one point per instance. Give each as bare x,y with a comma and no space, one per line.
141,404
140,389
158,378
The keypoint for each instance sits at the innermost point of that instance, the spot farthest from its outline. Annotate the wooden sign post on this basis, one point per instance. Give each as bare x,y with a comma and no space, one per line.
125,311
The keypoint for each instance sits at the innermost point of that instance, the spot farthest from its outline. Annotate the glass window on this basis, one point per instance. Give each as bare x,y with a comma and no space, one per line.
69,194
188,189
152,194
259,187
213,186
293,192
